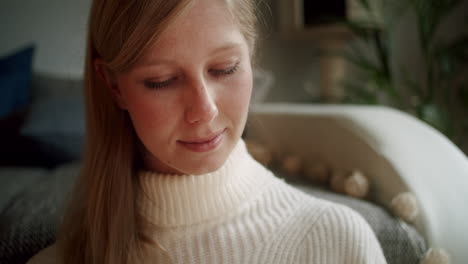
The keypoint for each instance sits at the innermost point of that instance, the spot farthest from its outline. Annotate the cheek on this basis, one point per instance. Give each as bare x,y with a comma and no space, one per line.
236,101
150,118
245,88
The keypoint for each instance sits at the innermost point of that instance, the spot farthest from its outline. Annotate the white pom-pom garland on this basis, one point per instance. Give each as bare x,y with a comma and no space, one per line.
405,206
292,164
337,180
318,173
436,256
356,185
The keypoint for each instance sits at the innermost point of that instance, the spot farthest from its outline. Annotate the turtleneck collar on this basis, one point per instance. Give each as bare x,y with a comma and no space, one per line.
181,200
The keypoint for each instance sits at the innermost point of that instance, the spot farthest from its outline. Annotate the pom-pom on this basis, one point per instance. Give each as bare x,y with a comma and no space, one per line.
292,165
405,206
356,185
318,173
337,181
260,153
436,256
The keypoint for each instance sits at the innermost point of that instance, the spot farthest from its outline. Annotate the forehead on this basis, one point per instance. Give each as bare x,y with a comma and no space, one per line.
204,27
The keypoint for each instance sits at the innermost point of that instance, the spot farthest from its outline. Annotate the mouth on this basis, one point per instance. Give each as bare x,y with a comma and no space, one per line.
204,144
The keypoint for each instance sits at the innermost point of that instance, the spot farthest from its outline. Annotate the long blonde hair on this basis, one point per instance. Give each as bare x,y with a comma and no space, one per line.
102,223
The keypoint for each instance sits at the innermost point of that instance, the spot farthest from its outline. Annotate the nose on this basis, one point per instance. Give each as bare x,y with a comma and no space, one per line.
201,106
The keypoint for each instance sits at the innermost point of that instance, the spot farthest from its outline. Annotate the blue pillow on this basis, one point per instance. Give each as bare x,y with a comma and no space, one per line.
15,80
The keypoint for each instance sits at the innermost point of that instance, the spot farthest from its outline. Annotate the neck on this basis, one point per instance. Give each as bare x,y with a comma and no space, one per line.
179,200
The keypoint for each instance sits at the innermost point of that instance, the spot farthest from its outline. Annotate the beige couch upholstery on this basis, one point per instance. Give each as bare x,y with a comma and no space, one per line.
395,150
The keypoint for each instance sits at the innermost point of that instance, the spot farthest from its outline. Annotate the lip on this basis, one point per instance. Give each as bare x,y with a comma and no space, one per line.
204,144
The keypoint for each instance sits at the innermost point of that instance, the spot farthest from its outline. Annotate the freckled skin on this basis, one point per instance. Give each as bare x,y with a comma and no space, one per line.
198,102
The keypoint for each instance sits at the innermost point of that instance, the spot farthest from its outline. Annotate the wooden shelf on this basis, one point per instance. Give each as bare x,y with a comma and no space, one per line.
318,33
292,24
327,37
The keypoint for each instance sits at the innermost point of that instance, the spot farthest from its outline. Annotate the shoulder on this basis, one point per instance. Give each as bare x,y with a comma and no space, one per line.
340,235
327,216
46,256
337,218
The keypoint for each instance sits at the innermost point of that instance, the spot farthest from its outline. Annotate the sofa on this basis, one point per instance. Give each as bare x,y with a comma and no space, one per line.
396,151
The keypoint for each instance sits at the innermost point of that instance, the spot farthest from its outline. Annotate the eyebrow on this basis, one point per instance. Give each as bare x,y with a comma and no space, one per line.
224,48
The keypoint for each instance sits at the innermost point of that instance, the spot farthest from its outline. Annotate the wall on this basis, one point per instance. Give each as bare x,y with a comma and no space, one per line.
294,62
57,27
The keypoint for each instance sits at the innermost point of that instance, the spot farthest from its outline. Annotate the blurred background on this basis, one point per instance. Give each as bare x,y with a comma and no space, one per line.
410,55
406,54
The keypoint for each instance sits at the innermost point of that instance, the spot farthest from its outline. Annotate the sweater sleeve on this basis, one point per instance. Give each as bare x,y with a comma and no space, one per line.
341,235
46,256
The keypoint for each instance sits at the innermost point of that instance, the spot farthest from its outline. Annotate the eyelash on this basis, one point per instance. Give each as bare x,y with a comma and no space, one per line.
228,71
215,72
158,85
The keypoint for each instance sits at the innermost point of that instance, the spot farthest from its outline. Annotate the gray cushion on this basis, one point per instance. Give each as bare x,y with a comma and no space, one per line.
29,222
14,180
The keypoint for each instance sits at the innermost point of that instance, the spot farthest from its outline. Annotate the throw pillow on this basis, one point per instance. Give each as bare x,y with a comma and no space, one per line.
15,80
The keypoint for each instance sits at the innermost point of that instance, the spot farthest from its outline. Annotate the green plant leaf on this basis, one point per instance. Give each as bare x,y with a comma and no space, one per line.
430,14
376,76
392,12
362,29
414,86
436,117
380,80
362,63
447,66
451,58
359,94
365,4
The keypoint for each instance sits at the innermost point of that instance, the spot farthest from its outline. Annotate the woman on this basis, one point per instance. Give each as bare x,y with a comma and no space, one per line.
166,177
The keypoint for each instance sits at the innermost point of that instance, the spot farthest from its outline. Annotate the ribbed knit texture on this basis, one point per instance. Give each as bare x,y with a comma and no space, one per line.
242,214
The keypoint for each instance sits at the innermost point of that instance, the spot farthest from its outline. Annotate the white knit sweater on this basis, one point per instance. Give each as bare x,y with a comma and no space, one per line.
243,214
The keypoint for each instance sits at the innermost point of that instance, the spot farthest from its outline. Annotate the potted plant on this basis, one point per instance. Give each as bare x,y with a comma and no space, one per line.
440,98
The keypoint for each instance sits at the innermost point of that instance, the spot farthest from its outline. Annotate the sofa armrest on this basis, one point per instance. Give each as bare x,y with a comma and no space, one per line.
397,151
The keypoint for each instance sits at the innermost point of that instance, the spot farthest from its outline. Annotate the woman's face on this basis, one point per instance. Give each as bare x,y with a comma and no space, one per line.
188,96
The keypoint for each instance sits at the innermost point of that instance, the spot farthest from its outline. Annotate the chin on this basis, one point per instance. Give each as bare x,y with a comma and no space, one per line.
209,163
187,162
205,167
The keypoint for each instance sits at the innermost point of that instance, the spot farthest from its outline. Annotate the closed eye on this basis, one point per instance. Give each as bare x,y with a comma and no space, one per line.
226,71
159,85
216,72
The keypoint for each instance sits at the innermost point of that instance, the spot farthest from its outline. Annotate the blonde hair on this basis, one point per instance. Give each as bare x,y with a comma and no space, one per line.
102,223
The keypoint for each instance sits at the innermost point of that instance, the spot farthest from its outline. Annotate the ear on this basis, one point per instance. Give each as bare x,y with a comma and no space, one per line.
107,77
